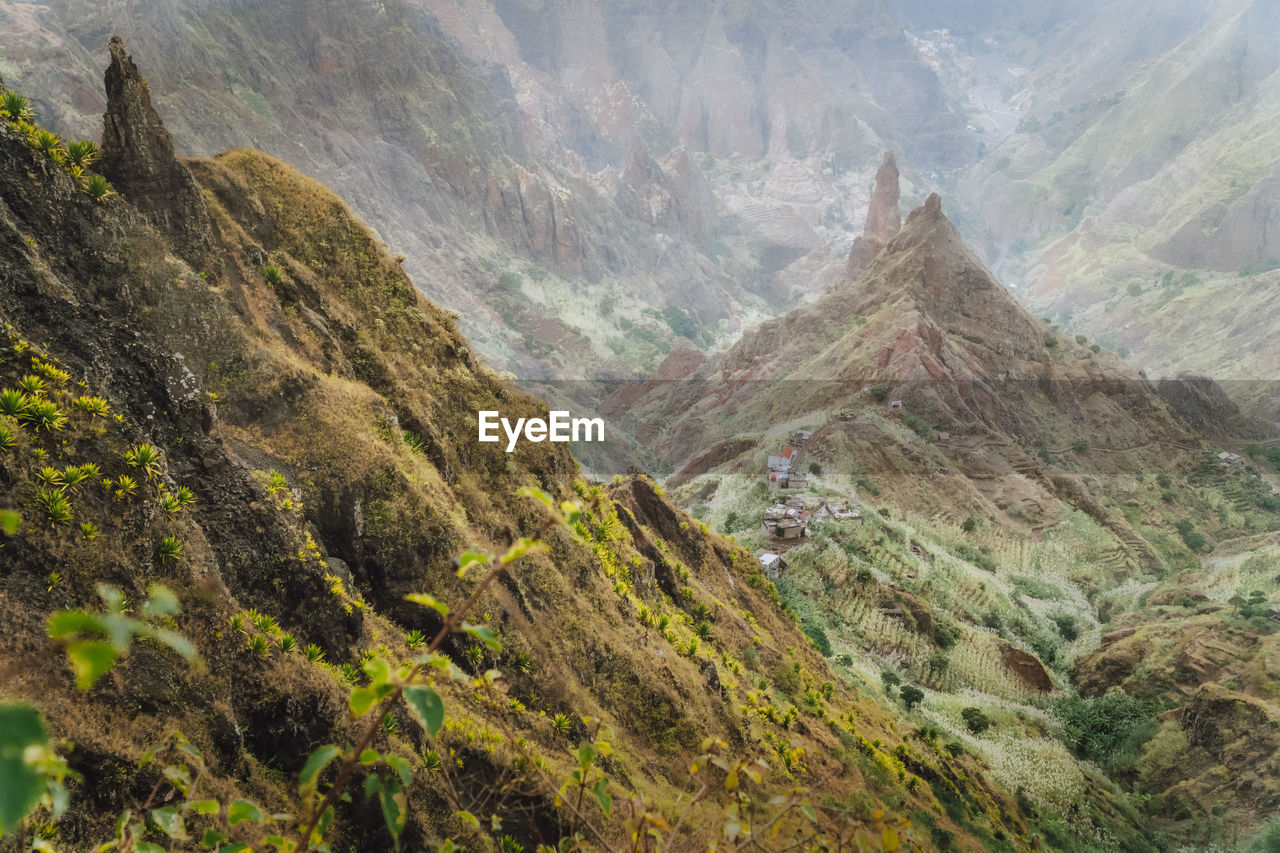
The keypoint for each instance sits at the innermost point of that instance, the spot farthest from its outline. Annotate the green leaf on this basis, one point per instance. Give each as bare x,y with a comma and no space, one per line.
90,660
426,706
147,847
536,494
23,784
427,600
361,700
466,558
378,670
282,844
586,755
66,623
402,769
809,811
317,761
170,821
234,847
203,806
372,784
469,819
242,810
524,545
9,521
370,756
175,641
212,838
602,797
484,634
162,602
395,809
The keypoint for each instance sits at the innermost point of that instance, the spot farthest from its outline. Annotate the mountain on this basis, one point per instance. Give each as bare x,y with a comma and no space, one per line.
585,186
1040,527
215,379
1134,201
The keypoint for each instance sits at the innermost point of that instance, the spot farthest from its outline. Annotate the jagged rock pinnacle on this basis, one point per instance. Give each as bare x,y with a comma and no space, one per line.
139,159
884,218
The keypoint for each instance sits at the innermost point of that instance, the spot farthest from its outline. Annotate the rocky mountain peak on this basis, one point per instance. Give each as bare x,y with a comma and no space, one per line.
138,157
884,218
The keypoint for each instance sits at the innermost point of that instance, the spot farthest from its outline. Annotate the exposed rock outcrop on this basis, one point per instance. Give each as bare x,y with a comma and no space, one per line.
1027,667
673,195
884,217
138,157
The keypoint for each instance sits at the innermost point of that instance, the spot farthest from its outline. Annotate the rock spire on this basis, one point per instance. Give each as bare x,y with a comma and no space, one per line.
139,159
884,218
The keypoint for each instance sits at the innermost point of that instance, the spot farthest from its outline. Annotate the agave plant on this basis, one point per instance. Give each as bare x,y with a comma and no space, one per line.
170,504
313,653
43,415
170,548
91,470
415,442
50,477
50,371
185,496
126,487
33,385
415,639
55,505
15,107
273,275
265,623
48,144
88,531
288,644
98,188
94,407
7,441
260,647
13,402
75,476
82,153
145,457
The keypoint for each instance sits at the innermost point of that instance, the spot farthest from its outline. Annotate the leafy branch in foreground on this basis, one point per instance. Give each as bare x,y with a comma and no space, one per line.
31,772
413,683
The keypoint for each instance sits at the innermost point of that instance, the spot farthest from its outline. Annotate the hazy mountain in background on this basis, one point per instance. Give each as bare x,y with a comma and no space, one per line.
1137,201
585,184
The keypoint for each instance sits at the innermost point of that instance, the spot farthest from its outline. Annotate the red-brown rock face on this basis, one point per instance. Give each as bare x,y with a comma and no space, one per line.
884,217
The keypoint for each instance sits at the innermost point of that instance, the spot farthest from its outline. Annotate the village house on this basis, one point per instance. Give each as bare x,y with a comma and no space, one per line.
772,563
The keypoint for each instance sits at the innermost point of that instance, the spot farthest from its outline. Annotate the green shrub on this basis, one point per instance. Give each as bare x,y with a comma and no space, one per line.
969,524
945,636
975,720
918,425
912,696
819,638
98,188
1191,537
1109,730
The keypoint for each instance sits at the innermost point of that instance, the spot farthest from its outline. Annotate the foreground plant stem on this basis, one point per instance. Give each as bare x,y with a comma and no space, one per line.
452,624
